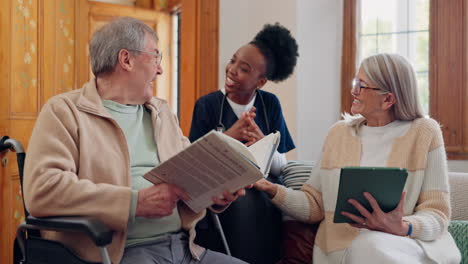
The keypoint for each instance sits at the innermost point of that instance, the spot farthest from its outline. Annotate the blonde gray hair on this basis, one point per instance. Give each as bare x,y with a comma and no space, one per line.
106,43
393,73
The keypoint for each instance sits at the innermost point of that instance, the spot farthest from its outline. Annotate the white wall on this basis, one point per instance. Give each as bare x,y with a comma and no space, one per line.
311,97
319,24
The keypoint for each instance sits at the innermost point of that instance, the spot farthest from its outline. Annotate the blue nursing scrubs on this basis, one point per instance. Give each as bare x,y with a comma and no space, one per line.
252,224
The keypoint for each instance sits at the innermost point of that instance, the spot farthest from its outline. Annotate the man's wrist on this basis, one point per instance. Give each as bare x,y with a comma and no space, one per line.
139,198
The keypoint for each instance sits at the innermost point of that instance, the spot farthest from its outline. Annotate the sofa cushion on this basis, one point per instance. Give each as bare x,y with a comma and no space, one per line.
295,173
298,242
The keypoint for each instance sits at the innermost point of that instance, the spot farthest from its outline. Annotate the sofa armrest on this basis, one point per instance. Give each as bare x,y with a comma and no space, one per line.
459,232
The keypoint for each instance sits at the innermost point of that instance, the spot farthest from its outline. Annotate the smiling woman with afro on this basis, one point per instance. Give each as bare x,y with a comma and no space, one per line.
245,112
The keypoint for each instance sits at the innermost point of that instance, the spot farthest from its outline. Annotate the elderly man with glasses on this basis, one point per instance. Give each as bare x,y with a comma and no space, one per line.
91,147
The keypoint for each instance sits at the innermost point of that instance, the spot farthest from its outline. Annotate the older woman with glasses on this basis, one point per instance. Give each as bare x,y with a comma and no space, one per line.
386,128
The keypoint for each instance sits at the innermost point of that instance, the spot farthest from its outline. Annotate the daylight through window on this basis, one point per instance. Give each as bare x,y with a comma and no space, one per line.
397,26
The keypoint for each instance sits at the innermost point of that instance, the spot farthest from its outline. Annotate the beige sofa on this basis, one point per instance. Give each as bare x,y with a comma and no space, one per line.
459,198
459,195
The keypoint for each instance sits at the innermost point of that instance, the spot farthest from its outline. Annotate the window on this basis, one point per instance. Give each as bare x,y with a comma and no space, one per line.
443,82
400,26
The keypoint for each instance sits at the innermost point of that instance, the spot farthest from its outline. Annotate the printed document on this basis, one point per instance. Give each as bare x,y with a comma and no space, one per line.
214,163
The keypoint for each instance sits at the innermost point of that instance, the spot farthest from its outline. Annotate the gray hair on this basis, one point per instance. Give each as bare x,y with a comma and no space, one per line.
106,43
393,73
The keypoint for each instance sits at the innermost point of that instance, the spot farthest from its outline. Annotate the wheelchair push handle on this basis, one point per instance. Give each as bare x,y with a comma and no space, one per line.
7,143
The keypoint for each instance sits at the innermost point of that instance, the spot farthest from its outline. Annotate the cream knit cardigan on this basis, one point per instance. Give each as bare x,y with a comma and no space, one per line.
427,205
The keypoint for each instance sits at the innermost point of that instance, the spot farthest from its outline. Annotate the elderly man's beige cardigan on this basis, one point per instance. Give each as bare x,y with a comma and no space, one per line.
78,164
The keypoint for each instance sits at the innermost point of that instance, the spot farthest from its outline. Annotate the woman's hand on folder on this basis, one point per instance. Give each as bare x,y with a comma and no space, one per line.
391,222
265,186
229,197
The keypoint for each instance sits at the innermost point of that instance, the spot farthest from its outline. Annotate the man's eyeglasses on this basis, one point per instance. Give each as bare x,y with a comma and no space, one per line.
157,56
357,86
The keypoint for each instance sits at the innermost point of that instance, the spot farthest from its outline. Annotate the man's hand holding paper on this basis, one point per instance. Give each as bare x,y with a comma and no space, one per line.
214,164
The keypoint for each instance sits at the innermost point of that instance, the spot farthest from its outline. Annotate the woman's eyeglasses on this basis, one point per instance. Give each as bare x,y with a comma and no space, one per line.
357,86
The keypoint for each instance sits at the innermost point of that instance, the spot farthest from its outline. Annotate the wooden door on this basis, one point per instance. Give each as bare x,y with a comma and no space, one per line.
24,84
43,53
94,15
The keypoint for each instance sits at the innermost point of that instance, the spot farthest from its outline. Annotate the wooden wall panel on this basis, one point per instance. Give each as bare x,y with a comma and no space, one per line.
24,62
145,3
81,42
164,31
189,46
447,72
65,45
199,54
20,56
6,218
348,57
58,62
167,5
159,5
209,36
465,81
112,11
48,61
5,70
94,15
5,75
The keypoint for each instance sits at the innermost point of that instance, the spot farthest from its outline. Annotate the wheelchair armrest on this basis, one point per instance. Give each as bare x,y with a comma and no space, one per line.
94,228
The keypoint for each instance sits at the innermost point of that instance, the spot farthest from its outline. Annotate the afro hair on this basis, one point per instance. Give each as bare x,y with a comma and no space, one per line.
280,50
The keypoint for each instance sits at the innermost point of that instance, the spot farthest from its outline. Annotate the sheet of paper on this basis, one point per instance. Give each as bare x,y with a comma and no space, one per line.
264,149
239,146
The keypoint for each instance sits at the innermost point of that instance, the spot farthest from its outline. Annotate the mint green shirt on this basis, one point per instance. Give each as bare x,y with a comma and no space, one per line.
135,122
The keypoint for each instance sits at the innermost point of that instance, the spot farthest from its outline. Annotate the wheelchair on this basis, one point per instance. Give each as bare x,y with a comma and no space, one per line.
30,248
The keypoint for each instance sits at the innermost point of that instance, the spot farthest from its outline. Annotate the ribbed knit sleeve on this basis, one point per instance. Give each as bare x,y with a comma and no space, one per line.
432,212
305,205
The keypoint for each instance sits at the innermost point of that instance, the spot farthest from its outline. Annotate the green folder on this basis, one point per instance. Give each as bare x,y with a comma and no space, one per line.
383,183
